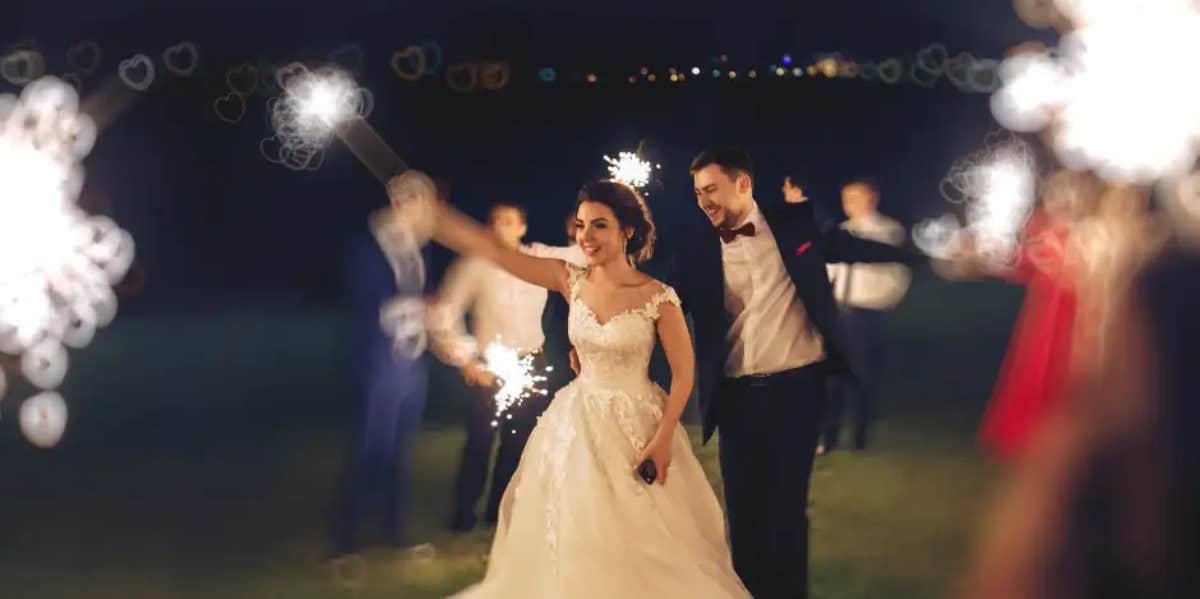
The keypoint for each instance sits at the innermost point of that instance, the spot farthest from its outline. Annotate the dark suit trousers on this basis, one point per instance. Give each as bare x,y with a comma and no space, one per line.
388,420
864,345
768,429
477,451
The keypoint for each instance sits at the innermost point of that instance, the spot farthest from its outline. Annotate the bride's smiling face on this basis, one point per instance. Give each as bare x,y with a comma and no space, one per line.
599,234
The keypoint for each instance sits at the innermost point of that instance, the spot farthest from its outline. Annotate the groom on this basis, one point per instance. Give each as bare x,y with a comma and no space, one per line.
766,340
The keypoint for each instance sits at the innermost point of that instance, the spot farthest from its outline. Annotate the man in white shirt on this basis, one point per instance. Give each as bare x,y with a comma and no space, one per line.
864,293
504,310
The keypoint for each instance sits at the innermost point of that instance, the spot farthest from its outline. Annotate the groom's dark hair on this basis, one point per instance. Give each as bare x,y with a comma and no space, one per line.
732,160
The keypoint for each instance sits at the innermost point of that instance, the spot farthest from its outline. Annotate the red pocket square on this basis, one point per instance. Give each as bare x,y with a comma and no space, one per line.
803,247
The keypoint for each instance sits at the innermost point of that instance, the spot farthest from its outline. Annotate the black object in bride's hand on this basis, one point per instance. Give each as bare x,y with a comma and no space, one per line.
648,472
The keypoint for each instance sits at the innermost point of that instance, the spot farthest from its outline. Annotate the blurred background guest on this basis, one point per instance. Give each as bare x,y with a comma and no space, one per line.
391,388
865,293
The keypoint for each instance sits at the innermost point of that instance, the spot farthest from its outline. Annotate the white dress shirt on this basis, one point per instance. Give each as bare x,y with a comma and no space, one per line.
770,330
503,308
871,286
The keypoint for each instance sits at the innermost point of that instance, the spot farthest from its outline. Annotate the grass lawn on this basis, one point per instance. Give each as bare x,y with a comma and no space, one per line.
204,454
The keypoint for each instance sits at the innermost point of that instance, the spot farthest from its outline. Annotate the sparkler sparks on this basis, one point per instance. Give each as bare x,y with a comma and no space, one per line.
517,379
315,106
997,187
57,263
629,169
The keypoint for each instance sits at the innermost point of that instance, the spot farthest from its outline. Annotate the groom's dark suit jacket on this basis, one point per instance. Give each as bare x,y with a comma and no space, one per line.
698,277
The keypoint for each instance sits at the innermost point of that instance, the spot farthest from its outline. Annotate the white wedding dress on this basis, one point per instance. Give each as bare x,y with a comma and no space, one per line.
576,521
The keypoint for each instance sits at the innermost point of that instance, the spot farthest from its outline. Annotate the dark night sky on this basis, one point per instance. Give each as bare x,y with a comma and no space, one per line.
212,218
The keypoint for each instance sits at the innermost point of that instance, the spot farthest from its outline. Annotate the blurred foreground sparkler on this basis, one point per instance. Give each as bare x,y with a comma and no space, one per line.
1118,95
518,380
997,187
57,263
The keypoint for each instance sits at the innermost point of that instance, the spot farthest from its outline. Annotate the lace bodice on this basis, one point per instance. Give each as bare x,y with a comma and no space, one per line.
615,353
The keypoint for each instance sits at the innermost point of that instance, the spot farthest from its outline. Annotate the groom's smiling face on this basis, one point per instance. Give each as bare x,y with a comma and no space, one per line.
725,199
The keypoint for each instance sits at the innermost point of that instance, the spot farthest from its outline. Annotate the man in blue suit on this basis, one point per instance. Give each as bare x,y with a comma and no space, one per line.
390,393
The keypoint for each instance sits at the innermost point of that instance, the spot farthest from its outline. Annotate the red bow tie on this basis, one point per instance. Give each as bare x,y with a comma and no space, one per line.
728,235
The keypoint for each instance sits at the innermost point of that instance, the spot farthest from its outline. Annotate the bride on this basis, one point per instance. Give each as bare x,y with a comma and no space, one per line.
577,520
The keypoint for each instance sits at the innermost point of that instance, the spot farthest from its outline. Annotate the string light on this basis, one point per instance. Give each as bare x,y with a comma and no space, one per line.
695,70
591,78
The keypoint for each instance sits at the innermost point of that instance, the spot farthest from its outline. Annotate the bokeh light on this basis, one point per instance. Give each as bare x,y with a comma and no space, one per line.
57,263
43,419
1117,93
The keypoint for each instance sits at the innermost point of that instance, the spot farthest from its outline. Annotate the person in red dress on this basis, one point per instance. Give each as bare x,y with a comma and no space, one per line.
1037,367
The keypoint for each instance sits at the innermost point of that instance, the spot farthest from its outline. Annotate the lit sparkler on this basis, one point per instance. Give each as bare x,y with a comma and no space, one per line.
515,373
43,419
997,187
1117,93
314,107
629,169
57,263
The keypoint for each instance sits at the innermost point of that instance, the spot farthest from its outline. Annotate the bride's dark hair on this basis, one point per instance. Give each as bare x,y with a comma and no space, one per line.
631,211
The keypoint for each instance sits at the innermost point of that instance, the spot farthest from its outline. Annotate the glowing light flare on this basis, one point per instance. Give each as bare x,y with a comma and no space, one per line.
314,107
43,419
1003,193
516,376
57,263
315,104
629,169
997,188
1118,94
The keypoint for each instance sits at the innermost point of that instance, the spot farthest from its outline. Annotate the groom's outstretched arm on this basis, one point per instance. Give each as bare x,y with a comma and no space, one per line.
841,246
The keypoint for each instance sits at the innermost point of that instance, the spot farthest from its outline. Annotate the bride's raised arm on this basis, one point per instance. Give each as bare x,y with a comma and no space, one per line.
461,234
